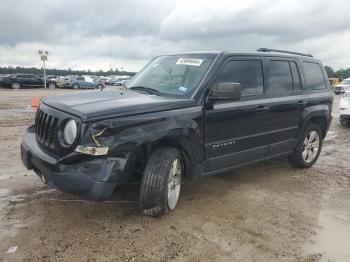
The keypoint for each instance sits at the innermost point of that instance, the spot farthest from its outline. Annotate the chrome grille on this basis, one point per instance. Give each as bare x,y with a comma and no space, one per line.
45,128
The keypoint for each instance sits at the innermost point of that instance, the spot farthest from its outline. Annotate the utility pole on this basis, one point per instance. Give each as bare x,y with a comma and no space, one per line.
43,57
110,56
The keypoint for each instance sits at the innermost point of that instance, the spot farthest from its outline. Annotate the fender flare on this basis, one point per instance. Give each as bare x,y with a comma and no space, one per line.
312,112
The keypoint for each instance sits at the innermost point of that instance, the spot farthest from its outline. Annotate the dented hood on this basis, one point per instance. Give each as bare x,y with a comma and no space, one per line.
92,105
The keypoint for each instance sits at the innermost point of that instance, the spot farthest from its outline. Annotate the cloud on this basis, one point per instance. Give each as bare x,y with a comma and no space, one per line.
77,33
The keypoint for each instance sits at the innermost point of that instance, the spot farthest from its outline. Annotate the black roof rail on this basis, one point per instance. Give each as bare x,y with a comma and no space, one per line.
282,51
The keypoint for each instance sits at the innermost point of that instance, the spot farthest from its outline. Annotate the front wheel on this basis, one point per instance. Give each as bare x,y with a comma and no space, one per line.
161,182
308,147
75,86
344,123
52,85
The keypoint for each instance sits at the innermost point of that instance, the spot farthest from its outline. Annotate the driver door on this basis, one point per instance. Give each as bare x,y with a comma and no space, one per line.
237,132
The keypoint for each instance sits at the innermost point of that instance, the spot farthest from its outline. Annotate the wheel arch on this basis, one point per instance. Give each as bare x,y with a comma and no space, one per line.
182,143
320,115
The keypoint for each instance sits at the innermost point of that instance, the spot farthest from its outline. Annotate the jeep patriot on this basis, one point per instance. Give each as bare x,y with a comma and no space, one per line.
182,117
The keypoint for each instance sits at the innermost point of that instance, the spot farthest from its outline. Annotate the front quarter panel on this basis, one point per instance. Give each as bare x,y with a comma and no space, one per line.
126,134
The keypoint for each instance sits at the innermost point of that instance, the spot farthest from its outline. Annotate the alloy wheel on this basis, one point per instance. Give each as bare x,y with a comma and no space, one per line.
311,146
174,183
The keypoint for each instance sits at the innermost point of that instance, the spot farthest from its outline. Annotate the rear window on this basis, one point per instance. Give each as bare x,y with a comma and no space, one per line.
314,76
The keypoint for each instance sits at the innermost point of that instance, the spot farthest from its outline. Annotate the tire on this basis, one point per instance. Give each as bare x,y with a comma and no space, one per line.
99,86
344,123
15,85
75,86
163,171
305,154
51,85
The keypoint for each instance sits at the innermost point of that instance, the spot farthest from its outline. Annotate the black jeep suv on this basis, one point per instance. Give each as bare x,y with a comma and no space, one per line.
17,81
182,116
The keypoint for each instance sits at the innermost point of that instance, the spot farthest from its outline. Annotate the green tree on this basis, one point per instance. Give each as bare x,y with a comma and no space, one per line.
330,71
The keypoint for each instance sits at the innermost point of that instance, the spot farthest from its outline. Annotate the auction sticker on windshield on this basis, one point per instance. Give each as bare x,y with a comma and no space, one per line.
189,61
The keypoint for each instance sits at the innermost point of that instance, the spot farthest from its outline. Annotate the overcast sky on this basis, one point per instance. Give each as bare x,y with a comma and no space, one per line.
77,33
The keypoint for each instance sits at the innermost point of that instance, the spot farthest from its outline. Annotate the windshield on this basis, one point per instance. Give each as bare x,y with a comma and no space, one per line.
345,82
175,75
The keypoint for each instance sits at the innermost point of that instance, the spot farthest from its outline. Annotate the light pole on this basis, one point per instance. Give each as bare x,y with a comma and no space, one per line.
43,57
110,55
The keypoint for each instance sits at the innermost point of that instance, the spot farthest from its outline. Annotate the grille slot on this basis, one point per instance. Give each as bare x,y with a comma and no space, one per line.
45,128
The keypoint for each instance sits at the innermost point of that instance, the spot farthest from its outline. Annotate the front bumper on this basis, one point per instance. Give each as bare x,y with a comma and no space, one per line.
93,178
344,117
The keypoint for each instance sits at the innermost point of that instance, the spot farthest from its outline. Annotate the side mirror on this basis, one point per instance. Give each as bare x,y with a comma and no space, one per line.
226,91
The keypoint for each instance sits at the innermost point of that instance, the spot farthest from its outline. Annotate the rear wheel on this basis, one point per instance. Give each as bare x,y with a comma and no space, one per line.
344,123
75,86
99,86
161,182
15,85
308,147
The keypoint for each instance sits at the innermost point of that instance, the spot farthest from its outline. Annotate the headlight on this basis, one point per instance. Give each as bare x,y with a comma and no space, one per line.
70,132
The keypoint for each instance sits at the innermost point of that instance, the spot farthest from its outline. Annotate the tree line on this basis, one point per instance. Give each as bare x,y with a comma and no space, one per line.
61,72
341,73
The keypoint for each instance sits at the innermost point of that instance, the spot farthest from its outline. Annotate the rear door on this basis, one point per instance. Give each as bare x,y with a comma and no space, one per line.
237,132
288,102
36,81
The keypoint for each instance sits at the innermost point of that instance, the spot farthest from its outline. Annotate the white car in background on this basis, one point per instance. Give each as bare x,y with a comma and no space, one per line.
342,87
344,109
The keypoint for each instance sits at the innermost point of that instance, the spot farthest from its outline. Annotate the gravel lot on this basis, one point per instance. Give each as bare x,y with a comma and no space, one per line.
265,212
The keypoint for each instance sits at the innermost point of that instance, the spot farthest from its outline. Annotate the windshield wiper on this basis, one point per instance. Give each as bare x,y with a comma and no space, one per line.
146,89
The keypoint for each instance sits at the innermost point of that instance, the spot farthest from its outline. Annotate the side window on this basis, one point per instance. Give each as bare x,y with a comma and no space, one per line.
314,76
248,73
281,77
296,76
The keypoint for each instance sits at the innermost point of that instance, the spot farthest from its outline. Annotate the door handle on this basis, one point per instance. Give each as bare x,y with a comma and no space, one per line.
302,103
262,109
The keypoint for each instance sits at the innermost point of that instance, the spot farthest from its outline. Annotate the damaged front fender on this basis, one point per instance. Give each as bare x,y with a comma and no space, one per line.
181,127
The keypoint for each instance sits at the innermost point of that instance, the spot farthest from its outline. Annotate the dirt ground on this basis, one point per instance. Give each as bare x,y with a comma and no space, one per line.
265,212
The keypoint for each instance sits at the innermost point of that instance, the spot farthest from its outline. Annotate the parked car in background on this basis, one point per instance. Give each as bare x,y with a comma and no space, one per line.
344,109
101,80
124,82
343,87
1,77
333,81
119,81
62,80
51,77
82,82
16,81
